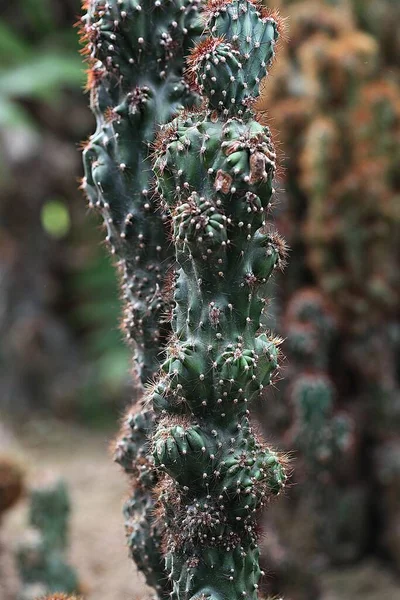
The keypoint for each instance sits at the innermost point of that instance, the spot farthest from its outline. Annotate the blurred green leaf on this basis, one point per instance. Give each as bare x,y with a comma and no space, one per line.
13,115
13,49
42,77
39,14
114,368
55,218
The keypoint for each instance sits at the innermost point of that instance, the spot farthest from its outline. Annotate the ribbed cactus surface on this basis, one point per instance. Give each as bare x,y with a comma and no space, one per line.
136,50
215,168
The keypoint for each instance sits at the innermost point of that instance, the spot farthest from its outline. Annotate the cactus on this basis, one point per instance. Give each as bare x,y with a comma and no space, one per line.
325,516
41,552
136,56
135,52
379,18
345,116
215,168
324,434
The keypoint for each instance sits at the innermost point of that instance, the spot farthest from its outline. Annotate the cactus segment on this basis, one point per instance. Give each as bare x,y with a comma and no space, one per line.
215,168
135,52
143,532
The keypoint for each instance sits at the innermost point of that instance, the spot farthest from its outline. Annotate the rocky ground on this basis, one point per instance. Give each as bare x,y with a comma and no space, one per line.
97,539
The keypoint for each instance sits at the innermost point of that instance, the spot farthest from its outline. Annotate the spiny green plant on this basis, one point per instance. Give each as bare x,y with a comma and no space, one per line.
324,436
136,55
215,168
321,436
41,553
135,52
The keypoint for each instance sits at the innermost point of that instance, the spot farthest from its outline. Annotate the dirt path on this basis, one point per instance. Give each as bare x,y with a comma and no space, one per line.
97,489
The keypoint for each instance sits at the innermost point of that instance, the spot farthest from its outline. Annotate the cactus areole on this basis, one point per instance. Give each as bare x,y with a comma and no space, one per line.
214,168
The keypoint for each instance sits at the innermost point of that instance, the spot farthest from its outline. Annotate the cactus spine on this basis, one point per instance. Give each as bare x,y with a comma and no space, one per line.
136,50
215,168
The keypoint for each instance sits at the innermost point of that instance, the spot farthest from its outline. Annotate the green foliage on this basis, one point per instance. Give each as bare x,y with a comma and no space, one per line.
33,69
55,218
97,316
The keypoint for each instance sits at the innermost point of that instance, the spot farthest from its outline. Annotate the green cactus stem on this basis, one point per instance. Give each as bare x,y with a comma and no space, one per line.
41,553
136,52
215,168
142,529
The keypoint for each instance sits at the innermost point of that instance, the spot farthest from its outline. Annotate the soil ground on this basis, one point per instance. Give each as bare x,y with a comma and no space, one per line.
97,489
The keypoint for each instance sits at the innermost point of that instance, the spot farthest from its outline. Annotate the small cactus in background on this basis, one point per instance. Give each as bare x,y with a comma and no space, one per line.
379,19
323,433
136,53
215,168
41,553
325,516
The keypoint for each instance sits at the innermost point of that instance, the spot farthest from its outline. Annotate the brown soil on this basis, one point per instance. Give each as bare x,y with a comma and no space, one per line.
97,490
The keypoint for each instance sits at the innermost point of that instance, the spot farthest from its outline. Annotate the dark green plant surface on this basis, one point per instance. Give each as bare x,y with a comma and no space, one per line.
136,57
215,168
135,75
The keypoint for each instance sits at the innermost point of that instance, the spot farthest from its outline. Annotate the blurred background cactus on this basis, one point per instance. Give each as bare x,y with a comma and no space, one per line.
333,97
41,554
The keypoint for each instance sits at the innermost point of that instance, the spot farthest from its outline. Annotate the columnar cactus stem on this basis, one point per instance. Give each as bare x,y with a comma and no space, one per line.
136,52
41,553
215,169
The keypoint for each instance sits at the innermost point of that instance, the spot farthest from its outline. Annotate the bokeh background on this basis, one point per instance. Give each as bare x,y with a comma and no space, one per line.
333,99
